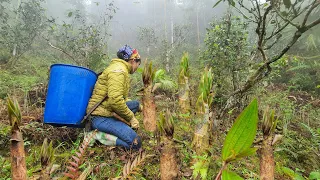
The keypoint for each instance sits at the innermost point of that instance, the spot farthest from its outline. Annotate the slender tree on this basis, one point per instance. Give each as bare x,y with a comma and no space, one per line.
227,51
272,19
148,37
29,21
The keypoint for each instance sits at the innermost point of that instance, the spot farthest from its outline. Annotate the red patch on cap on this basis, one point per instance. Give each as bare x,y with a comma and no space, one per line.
134,51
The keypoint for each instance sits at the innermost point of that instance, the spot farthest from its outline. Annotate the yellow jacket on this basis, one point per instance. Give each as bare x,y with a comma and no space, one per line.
113,81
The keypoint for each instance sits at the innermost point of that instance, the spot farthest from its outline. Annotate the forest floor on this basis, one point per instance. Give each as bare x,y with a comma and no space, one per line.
296,151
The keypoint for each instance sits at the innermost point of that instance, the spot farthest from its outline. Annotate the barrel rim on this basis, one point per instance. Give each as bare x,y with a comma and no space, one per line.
75,67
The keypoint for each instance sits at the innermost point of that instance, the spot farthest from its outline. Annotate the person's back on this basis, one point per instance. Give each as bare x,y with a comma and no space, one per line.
116,75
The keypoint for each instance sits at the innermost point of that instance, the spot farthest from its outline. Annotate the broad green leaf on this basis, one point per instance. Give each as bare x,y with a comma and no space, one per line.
289,172
139,70
167,84
298,177
229,175
216,4
287,3
241,135
204,173
200,167
247,152
314,175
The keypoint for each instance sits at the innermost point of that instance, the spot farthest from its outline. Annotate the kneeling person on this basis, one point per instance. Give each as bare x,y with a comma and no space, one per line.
114,83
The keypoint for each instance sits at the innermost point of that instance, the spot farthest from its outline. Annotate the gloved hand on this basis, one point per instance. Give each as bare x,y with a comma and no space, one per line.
140,108
134,123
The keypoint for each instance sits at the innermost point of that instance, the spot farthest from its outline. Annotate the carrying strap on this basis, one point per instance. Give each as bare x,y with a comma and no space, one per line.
93,108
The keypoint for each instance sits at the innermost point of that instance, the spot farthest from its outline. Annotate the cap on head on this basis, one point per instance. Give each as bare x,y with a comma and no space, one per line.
126,53
135,54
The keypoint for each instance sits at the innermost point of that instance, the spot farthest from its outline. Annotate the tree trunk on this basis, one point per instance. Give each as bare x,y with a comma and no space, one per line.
167,60
168,161
171,22
166,36
18,162
198,31
14,51
234,80
149,110
267,159
184,96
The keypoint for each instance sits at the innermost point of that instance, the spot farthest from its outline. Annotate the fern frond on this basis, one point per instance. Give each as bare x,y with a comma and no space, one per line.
315,134
85,173
162,81
299,67
312,132
74,171
132,167
167,84
159,74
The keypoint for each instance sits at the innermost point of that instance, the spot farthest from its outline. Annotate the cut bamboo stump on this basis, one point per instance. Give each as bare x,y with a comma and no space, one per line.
267,159
149,110
168,161
18,161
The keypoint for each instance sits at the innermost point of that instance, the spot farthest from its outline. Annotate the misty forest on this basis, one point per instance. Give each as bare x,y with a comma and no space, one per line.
228,89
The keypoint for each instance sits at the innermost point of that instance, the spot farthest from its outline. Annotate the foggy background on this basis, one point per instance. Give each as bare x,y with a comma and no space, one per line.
162,16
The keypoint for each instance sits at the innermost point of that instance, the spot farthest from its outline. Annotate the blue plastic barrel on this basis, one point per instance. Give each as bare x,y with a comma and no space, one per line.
69,90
